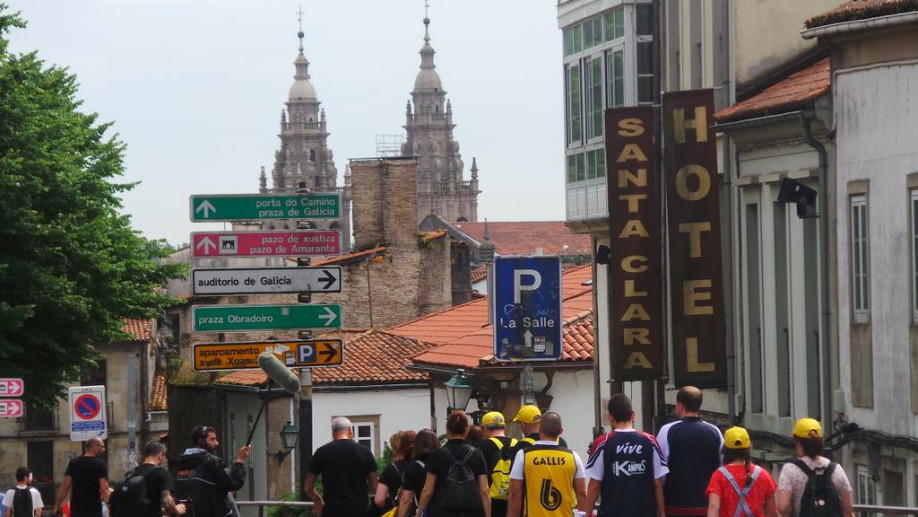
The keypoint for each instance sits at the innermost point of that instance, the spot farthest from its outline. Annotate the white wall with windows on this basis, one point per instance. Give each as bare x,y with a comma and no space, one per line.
608,62
376,415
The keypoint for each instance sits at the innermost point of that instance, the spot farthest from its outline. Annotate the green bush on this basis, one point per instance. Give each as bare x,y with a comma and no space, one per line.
286,511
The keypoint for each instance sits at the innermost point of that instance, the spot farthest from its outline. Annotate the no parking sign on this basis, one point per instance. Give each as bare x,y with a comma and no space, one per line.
87,413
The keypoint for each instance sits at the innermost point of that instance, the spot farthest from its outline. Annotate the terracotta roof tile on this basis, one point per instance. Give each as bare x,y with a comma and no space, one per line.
479,274
796,92
158,395
466,338
348,257
522,238
370,357
139,329
861,10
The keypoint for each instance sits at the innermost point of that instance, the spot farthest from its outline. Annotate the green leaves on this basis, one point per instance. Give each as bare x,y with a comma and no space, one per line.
71,267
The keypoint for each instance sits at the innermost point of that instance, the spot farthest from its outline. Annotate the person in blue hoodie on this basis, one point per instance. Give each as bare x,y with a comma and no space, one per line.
204,482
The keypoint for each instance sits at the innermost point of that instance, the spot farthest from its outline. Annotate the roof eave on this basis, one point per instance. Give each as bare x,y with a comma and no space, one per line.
880,22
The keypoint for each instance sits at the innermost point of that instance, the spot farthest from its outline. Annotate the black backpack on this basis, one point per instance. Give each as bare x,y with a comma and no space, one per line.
22,502
460,490
819,499
129,496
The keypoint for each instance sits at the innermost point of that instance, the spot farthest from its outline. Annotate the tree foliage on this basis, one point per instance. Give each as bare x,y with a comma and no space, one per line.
71,267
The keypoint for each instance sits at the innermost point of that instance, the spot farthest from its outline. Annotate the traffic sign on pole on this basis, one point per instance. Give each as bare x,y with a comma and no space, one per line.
266,244
11,387
10,408
244,318
527,308
244,356
87,413
259,207
266,280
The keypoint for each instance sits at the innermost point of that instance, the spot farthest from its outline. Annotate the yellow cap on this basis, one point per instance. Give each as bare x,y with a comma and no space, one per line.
493,419
528,415
736,438
807,428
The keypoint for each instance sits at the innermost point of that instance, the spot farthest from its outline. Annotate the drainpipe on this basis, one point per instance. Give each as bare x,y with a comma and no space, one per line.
806,119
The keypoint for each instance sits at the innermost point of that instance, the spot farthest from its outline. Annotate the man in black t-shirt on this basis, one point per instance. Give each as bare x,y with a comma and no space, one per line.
159,482
348,472
87,476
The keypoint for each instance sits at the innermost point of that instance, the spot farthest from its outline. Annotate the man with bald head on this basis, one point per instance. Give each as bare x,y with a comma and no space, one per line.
348,472
691,450
87,476
550,477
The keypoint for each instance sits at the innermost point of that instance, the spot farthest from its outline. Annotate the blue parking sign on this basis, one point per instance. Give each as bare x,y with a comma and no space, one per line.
527,308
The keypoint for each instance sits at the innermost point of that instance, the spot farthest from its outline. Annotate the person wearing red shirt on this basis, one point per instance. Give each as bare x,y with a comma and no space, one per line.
739,488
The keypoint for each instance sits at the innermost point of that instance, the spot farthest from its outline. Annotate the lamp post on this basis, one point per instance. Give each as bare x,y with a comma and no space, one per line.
289,436
458,392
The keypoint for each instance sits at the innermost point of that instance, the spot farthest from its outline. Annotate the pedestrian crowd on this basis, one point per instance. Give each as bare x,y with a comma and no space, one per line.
688,469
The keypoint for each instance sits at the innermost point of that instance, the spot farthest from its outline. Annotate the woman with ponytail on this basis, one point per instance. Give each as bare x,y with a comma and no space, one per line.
739,488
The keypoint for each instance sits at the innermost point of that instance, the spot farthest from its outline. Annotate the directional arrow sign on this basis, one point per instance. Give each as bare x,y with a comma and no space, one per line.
243,318
11,387
256,207
10,408
268,280
244,356
266,244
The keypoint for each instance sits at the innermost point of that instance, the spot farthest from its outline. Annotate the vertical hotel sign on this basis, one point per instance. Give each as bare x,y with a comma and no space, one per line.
635,280
693,206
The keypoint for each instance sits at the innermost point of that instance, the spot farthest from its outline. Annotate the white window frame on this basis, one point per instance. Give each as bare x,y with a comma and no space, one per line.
368,424
866,487
860,255
590,109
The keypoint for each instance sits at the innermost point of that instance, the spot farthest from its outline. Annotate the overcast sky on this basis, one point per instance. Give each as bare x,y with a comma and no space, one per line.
196,87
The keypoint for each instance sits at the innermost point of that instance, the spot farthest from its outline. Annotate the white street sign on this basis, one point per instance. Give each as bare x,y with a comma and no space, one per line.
87,413
266,280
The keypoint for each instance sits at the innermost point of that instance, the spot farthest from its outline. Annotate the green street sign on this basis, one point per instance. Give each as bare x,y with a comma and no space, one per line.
254,207
244,318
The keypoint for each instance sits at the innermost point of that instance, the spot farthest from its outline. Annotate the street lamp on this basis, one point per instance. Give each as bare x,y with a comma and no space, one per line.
289,435
458,391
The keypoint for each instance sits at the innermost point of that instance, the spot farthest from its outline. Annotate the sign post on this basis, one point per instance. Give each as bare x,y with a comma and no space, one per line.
210,357
266,280
527,308
255,207
243,318
300,243
87,413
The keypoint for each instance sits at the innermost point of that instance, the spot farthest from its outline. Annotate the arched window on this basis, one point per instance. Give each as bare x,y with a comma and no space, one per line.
462,219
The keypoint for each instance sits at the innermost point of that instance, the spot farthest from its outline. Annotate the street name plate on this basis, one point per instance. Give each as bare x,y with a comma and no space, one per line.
259,207
266,244
266,280
245,318
244,356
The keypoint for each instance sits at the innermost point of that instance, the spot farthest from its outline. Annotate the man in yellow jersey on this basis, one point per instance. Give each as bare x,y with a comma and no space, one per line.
548,476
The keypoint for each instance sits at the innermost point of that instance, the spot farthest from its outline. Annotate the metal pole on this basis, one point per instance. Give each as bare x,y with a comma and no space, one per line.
132,410
528,392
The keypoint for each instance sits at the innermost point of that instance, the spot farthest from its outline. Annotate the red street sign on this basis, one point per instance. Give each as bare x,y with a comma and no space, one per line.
87,406
266,244
10,408
11,387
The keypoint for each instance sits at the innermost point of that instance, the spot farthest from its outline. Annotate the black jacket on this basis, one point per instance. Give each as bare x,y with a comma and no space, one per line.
207,481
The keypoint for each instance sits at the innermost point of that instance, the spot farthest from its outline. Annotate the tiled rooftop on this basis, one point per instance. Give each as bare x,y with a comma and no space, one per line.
466,338
797,91
522,238
479,274
370,357
139,329
861,10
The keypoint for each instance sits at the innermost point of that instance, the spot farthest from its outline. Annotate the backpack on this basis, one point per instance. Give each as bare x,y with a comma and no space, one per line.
500,472
460,489
742,508
22,502
129,496
819,499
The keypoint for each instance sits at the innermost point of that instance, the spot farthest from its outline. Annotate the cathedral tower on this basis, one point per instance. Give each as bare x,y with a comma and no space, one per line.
304,161
429,124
